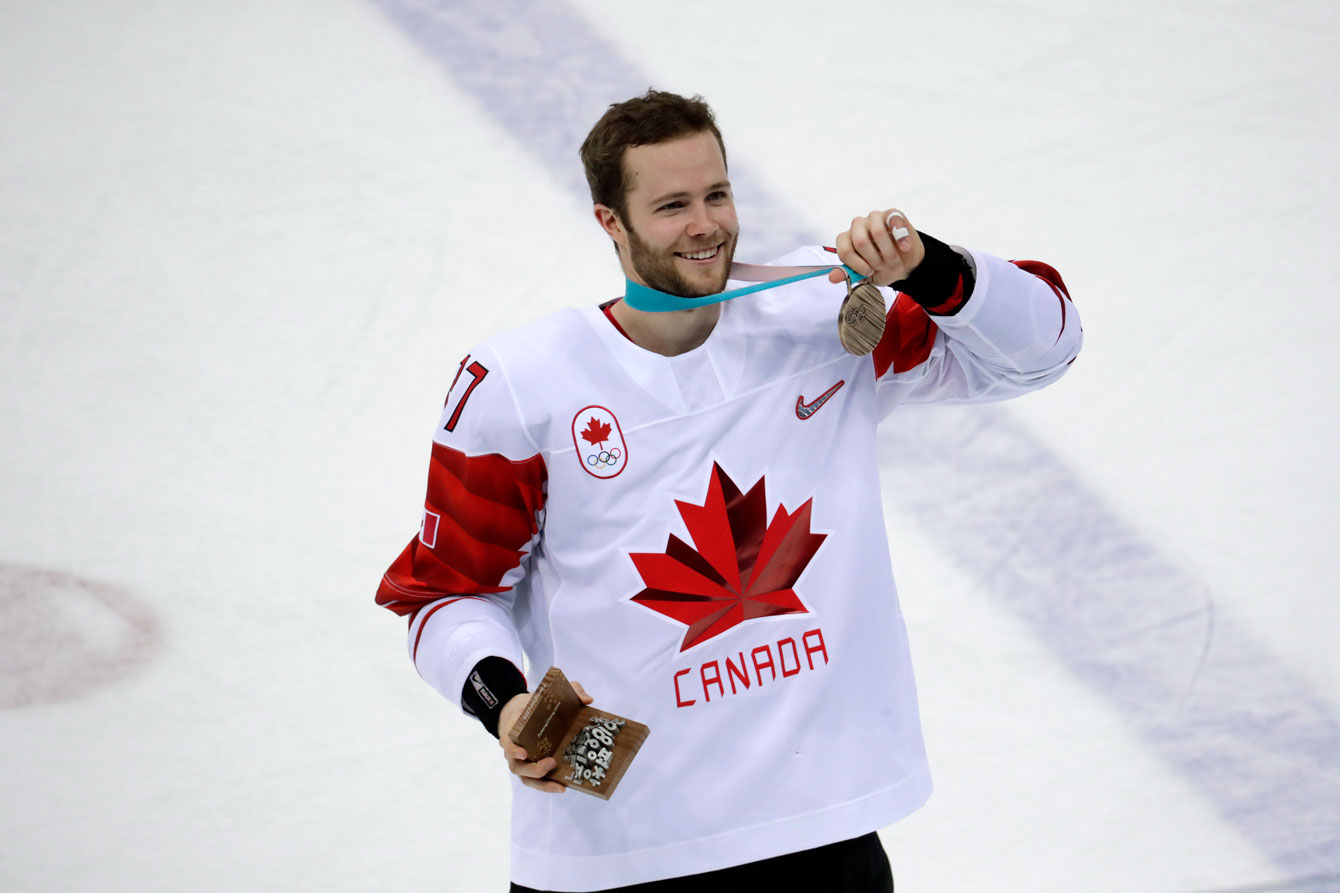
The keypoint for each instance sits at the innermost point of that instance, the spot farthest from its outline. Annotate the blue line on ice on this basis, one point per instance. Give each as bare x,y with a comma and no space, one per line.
1253,738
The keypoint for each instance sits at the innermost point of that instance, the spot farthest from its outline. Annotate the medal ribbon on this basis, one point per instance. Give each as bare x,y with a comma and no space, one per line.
649,300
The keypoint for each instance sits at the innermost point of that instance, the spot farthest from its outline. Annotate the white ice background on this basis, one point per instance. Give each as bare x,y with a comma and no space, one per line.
244,245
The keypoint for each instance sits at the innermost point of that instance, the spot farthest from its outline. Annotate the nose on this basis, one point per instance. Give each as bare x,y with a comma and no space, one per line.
701,222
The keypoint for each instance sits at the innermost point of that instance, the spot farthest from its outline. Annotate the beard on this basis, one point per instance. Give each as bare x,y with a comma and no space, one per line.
657,268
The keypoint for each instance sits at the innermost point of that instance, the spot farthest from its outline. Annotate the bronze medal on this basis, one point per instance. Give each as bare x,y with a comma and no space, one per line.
861,318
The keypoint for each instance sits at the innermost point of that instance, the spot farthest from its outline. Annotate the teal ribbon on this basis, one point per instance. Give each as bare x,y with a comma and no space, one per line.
649,300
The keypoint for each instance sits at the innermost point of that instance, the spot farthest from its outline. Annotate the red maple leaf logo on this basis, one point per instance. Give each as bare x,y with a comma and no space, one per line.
597,432
740,566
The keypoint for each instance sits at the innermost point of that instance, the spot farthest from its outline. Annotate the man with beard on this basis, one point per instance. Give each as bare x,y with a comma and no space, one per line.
682,509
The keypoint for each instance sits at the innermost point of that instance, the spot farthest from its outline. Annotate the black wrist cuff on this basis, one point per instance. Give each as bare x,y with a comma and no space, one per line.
942,282
492,683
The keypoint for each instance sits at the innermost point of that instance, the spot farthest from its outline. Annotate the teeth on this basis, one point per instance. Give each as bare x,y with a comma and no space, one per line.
699,255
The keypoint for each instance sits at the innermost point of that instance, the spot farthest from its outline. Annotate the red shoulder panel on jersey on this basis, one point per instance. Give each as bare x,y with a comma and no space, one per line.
485,511
1047,273
909,335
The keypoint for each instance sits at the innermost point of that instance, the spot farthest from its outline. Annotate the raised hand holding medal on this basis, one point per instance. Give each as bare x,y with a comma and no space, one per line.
883,248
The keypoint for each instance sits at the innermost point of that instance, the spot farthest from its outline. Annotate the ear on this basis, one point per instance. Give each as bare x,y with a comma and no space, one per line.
610,223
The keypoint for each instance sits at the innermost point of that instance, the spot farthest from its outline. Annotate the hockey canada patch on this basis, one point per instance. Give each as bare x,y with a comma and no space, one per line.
599,441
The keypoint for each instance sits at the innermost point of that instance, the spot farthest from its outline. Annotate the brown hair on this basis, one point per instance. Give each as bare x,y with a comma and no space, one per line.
654,117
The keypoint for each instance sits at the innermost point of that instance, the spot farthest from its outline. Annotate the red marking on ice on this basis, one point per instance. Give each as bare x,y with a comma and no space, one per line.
62,637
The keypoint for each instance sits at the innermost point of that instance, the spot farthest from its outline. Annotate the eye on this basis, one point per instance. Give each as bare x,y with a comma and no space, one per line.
671,206
718,196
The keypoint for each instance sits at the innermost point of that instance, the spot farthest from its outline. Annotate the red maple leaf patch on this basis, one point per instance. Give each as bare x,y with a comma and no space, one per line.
597,432
739,567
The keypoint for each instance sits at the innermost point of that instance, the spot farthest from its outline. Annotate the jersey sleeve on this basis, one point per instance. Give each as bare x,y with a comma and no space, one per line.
1016,332
482,517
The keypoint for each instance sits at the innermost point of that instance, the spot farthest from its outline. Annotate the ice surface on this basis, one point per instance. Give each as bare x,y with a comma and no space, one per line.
243,247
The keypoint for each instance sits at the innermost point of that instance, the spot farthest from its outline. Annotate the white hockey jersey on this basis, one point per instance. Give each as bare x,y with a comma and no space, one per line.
699,540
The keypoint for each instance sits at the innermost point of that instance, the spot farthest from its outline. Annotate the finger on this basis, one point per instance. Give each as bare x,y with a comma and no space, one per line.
549,787
900,229
510,750
882,239
845,254
862,247
848,254
864,233
581,693
538,769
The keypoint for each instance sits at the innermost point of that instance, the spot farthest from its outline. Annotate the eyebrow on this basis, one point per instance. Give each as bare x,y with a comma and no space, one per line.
721,184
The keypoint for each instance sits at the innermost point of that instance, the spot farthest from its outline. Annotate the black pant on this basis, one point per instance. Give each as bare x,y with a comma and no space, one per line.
849,866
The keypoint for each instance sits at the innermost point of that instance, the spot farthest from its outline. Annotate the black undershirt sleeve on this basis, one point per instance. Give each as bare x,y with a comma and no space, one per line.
942,282
492,683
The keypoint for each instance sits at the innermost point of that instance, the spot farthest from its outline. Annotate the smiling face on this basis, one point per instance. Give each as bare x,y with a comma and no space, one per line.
680,232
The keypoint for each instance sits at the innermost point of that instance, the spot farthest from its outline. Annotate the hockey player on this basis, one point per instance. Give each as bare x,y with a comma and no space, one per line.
682,510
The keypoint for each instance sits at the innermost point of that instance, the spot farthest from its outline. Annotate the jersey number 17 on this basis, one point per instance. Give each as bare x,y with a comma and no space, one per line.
478,372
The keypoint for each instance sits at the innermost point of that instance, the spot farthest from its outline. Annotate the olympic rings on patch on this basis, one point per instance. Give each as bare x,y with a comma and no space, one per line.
604,459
